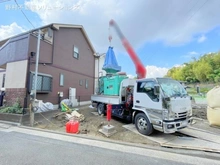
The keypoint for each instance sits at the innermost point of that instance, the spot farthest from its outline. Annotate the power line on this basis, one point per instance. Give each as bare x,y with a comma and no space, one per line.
198,10
24,13
192,17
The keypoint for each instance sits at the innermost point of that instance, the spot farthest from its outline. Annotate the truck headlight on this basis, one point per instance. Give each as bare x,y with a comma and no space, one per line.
165,115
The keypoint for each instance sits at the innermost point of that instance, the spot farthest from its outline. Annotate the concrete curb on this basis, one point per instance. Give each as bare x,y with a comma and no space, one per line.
84,136
209,155
10,123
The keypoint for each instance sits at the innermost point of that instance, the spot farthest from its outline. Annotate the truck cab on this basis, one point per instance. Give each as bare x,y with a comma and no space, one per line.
161,104
151,104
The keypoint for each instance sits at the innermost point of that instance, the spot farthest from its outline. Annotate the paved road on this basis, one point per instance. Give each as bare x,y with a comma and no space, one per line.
24,146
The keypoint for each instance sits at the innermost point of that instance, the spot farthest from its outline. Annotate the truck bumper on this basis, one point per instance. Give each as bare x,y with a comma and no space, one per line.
173,126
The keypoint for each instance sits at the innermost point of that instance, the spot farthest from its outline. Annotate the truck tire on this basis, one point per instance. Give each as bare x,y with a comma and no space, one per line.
101,109
143,124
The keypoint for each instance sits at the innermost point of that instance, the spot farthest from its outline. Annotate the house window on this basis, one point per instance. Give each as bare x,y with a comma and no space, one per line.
80,82
61,80
86,84
44,82
75,52
3,81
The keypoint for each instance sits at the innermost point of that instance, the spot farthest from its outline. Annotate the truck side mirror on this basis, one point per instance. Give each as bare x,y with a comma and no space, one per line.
156,89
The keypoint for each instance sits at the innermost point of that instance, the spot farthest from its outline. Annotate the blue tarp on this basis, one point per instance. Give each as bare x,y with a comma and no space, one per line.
111,64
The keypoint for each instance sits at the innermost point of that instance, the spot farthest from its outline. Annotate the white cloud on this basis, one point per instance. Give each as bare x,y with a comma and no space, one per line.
173,22
130,76
190,54
201,39
154,71
211,52
193,53
7,31
177,65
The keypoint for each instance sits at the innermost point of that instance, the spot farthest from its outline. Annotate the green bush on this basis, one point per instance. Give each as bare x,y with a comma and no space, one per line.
15,108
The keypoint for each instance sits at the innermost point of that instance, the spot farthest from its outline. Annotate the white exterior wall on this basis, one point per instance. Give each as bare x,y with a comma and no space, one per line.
98,69
16,74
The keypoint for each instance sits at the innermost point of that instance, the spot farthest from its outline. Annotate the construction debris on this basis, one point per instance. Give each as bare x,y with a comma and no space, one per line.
75,116
84,131
91,106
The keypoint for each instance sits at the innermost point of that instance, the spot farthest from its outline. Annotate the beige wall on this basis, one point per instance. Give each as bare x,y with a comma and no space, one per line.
98,70
16,74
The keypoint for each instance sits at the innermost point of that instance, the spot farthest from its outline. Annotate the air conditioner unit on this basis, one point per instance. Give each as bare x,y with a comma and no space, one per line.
72,97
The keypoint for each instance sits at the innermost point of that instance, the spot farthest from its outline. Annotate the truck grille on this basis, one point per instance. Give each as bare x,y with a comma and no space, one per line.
181,115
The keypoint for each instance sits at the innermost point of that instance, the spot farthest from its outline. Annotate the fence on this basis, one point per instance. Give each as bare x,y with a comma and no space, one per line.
203,87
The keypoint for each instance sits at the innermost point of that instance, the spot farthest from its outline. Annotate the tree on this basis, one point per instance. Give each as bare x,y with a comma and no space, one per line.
202,69
205,68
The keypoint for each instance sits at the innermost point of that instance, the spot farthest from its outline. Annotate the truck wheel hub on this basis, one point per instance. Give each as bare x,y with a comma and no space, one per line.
142,124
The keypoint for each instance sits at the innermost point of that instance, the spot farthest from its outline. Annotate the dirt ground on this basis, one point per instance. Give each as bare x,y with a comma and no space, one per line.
91,126
199,111
93,122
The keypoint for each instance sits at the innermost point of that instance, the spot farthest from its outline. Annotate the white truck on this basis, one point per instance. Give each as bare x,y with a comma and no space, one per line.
161,104
150,103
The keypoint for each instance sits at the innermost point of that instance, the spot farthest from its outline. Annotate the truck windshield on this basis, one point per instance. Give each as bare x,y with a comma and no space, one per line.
171,88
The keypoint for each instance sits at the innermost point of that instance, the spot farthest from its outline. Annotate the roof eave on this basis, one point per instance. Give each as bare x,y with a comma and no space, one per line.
56,26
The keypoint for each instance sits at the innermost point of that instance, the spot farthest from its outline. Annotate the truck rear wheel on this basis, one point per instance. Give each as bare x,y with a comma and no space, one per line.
143,124
101,109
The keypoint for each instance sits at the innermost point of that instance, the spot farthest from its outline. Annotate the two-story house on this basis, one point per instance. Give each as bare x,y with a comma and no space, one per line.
66,60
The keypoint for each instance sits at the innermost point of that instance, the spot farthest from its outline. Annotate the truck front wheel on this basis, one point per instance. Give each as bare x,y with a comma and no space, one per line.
143,124
101,108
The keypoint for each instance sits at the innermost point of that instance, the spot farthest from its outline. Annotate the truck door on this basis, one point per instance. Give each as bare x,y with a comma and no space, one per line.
144,96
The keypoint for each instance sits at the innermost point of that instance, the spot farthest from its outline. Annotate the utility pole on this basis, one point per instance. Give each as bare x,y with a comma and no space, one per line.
35,81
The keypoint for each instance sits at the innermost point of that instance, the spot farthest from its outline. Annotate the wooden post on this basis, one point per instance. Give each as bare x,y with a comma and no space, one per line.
31,115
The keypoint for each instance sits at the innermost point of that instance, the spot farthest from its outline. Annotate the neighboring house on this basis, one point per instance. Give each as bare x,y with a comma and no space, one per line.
100,59
66,60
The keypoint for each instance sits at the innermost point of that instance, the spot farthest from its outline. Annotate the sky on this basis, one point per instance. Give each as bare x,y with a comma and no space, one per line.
163,33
